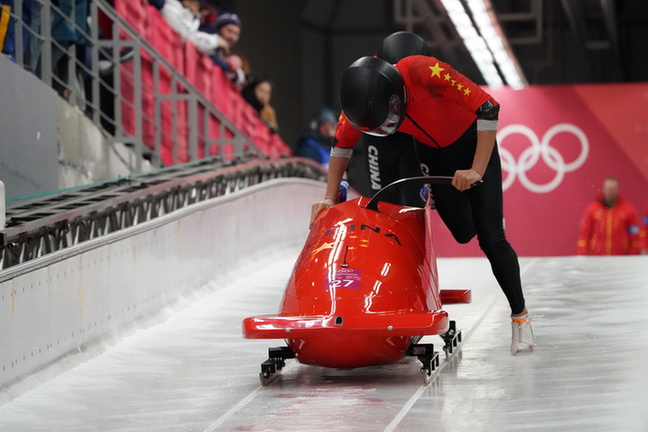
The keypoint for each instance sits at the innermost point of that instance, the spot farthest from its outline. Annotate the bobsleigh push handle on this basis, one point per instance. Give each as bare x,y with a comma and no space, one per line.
409,181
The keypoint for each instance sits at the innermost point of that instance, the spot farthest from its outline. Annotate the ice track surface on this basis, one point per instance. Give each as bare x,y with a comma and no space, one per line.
190,370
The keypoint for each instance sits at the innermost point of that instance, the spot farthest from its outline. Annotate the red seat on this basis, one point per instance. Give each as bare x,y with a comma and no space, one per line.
157,94
164,39
221,97
173,119
198,68
217,131
220,91
282,148
134,13
199,72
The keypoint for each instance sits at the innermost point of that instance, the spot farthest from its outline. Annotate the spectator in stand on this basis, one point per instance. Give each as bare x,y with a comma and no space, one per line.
208,14
227,26
317,141
184,17
610,225
69,30
258,92
157,4
8,26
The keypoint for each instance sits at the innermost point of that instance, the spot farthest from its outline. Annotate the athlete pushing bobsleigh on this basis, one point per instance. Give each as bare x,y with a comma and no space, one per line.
452,124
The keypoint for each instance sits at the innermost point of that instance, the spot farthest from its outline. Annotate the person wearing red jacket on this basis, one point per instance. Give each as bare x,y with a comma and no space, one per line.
453,123
610,225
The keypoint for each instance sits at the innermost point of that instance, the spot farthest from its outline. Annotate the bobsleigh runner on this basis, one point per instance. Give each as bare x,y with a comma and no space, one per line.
363,291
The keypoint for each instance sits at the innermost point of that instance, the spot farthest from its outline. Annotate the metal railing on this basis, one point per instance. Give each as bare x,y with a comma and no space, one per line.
64,47
40,225
62,219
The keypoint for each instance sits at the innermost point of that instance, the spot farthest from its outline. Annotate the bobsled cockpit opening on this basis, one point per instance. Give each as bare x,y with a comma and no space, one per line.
409,182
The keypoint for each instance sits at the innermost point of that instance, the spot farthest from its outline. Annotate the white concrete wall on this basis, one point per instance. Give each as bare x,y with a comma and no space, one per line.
86,154
28,132
48,144
54,305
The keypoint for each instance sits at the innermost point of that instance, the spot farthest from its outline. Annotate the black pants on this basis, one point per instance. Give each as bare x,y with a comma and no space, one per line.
477,211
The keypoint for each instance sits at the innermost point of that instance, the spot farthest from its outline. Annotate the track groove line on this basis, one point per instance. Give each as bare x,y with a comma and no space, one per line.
419,392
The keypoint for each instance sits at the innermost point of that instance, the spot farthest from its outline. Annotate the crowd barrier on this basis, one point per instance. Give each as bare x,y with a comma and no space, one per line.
207,78
167,100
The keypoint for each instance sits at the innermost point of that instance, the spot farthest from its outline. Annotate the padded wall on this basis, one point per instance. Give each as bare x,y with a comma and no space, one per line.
557,145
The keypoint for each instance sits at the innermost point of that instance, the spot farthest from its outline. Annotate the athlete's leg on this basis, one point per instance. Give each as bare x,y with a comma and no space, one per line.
478,210
487,210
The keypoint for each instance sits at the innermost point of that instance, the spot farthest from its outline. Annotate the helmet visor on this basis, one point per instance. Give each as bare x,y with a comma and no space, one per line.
392,121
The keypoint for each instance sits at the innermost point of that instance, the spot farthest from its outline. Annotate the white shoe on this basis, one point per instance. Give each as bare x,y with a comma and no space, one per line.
522,335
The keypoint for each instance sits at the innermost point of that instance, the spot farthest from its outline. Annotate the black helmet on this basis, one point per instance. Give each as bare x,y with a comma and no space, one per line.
372,96
402,44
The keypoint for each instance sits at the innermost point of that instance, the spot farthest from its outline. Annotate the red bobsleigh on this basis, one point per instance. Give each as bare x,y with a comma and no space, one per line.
364,290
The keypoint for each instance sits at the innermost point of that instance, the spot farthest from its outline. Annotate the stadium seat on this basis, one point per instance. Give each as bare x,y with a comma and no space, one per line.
164,39
134,13
164,96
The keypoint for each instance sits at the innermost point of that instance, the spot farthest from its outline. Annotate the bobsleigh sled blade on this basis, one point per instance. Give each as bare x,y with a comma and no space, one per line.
301,327
450,296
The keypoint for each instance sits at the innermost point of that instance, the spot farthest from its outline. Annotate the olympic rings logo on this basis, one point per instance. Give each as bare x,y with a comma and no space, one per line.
540,149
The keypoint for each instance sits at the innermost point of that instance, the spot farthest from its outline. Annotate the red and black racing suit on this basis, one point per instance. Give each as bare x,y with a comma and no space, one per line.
441,115
385,160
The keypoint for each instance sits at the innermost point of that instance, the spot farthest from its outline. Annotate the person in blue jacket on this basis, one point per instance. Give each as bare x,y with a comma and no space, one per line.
317,141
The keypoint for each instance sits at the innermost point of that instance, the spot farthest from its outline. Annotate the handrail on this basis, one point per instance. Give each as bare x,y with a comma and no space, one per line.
192,112
406,182
51,223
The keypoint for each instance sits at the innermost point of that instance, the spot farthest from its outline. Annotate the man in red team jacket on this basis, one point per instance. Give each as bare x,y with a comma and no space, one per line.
453,124
610,225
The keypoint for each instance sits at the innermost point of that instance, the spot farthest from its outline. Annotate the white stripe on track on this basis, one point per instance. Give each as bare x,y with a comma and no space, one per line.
212,427
246,400
419,392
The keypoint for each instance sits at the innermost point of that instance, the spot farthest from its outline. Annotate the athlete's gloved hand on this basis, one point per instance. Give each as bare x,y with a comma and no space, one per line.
344,190
465,179
317,207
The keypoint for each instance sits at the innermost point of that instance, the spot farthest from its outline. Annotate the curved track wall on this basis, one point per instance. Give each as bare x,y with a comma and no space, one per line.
56,304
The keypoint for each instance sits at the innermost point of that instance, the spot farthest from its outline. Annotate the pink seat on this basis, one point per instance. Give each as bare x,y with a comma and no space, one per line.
164,39
280,146
134,13
198,68
169,45
220,91
200,71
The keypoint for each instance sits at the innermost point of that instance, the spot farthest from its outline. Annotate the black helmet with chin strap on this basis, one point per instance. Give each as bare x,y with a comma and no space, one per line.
402,44
372,96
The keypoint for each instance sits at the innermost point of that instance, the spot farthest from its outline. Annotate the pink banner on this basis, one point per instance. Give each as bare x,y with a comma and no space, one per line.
557,144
